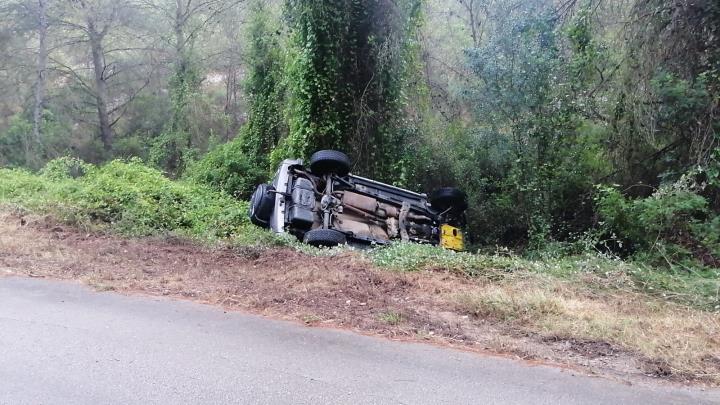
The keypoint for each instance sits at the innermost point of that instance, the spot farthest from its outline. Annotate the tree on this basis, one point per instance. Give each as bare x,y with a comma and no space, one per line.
347,74
187,21
474,10
265,85
42,58
91,23
231,50
666,112
96,35
29,21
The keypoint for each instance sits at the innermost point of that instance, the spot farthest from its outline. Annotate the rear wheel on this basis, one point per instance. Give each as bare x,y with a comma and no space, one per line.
448,198
262,204
324,237
329,162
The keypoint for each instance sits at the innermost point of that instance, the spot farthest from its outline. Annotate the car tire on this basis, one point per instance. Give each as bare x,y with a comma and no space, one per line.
262,204
447,198
329,162
324,237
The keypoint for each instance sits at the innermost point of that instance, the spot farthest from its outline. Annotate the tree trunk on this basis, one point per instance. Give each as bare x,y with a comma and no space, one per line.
472,16
41,66
230,109
180,34
101,97
181,71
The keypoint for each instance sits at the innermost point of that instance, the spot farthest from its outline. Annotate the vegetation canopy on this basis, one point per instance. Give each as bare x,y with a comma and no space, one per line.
575,127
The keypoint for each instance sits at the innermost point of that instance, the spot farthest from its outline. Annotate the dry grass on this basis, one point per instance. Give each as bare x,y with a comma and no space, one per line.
506,304
675,339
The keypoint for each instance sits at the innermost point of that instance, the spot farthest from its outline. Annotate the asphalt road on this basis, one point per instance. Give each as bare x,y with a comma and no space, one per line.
61,343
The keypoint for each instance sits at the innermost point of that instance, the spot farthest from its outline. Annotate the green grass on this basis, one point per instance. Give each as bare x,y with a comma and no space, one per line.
129,198
391,317
699,289
416,257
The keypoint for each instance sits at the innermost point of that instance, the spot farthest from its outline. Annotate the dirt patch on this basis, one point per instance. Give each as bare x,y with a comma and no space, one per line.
587,348
340,291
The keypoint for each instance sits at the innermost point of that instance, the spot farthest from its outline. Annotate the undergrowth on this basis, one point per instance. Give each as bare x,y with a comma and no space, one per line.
132,199
700,288
129,198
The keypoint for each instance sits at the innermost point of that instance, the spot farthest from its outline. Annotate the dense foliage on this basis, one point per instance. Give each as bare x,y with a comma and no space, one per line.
229,168
573,126
129,196
562,101
265,87
348,67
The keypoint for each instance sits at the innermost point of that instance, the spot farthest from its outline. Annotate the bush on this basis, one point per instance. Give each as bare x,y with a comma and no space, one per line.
128,196
170,152
229,169
708,233
673,225
65,168
12,142
131,146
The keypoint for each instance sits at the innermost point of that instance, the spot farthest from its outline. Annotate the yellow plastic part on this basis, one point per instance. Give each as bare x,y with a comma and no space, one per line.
451,238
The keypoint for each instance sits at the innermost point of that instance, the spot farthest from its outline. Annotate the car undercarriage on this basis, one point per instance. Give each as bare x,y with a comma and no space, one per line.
324,205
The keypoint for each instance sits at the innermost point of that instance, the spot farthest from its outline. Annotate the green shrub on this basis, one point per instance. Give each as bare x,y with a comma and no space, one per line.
131,146
170,151
127,196
708,233
13,142
230,169
19,186
668,227
65,168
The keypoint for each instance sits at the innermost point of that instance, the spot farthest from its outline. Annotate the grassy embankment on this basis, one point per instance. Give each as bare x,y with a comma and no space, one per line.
669,317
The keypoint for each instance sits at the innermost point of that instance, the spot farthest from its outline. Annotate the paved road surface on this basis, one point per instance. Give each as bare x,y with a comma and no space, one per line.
61,343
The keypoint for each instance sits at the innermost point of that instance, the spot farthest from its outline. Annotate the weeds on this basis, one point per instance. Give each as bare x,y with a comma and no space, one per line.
416,257
699,289
391,317
505,305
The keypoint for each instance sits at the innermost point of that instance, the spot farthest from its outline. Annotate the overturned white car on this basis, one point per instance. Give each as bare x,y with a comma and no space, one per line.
325,205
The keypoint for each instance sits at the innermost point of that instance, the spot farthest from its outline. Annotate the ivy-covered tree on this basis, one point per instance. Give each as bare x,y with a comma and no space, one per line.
265,86
347,71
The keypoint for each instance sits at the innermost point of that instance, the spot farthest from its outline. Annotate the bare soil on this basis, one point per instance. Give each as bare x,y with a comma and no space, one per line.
342,291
